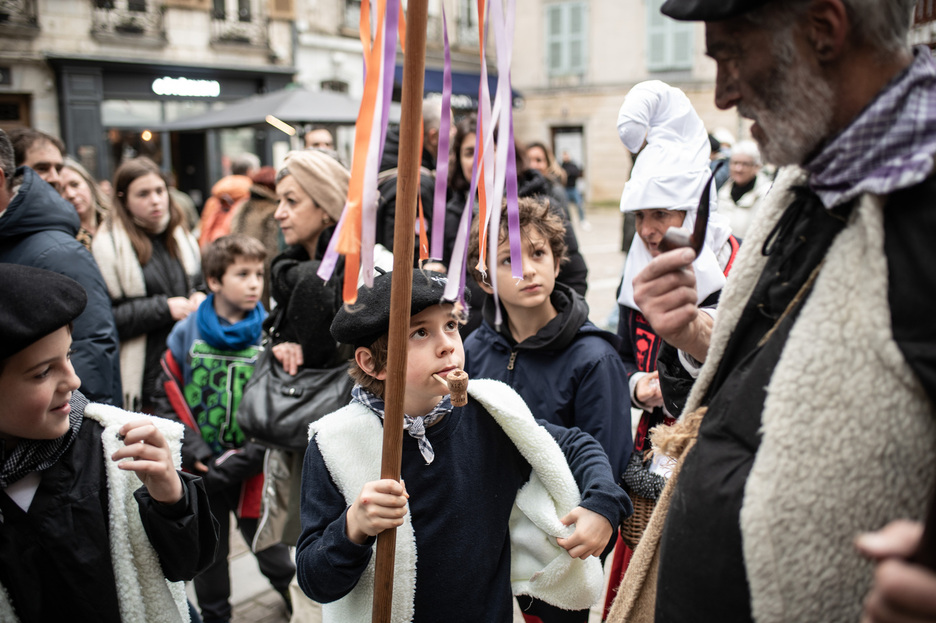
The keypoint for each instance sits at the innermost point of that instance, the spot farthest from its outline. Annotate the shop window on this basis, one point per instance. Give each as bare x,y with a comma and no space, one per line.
566,36
131,113
669,42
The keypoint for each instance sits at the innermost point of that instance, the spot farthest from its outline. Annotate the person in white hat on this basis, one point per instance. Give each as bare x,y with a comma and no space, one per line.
667,181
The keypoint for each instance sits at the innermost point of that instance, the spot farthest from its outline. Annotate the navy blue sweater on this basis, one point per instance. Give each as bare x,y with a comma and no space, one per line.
460,505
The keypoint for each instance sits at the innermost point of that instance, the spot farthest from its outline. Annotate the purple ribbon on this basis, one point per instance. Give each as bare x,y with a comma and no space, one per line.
442,159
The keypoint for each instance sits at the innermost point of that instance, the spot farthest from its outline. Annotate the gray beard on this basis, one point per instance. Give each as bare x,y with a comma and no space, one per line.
795,111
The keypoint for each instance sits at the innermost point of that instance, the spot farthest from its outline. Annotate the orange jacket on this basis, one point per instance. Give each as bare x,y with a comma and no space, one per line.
229,192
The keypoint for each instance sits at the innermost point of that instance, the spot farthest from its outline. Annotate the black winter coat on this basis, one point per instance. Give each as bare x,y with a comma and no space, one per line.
38,229
55,559
165,278
306,305
387,190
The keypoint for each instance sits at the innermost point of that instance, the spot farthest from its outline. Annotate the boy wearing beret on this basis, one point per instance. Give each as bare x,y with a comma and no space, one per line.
495,503
80,539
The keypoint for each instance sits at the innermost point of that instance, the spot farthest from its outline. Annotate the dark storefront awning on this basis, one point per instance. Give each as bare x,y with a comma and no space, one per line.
293,105
464,86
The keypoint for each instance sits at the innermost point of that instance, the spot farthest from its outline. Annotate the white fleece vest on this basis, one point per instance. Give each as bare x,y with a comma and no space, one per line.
143,593
350,441
849,436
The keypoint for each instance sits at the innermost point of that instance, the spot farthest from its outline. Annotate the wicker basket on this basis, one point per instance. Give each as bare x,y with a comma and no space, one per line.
633,527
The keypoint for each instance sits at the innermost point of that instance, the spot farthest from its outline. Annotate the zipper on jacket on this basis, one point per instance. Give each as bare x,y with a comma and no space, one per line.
513,358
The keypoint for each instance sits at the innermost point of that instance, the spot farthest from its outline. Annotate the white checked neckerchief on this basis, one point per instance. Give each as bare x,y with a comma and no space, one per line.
415,426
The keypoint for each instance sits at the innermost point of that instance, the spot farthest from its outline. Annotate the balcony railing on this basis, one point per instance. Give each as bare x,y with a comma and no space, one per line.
146,25
19,19
233,31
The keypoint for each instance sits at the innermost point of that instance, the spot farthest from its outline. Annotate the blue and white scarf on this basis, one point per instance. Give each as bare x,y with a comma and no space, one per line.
889,146
415,426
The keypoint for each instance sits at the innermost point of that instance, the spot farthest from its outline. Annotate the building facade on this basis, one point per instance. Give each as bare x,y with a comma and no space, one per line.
104,75
328,50
577,59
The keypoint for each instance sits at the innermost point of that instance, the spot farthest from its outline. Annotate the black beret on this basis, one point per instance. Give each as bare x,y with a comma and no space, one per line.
367,320
708,10
35,303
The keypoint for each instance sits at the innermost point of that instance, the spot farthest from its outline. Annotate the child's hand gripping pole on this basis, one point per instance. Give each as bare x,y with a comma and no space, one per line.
457,383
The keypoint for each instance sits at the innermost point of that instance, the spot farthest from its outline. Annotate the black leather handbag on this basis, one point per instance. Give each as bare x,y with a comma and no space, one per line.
277,408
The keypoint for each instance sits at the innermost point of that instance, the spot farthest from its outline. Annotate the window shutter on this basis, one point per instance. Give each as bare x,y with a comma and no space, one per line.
669,43
554,38
566,36
576,38
682,46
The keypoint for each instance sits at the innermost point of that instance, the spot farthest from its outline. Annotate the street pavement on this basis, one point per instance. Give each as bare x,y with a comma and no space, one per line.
252,597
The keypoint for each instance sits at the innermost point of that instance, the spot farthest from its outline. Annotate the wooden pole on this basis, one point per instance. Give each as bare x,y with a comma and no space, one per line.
414,62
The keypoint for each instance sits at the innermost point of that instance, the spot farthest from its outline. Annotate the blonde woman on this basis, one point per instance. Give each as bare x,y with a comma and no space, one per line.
89,201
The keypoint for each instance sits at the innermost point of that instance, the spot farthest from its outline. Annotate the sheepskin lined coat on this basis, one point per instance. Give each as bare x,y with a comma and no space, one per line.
62,567
846,435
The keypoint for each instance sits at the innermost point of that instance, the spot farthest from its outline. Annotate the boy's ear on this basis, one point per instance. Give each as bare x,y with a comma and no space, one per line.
365,361
485,286
214,284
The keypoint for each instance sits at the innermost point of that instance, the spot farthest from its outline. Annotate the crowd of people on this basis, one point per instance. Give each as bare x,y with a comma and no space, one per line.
781,367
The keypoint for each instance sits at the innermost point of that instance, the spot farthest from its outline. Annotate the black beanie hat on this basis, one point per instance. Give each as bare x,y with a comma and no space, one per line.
368,319
35,303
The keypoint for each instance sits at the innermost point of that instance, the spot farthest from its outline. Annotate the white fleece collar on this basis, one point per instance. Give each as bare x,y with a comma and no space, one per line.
143,593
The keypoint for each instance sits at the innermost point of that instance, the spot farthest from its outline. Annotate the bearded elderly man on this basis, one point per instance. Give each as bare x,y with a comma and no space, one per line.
820,379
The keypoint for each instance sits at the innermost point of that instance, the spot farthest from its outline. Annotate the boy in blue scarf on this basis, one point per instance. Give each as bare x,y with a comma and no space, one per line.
210,358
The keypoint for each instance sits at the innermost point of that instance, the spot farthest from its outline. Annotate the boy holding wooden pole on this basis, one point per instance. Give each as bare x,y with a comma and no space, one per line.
494,503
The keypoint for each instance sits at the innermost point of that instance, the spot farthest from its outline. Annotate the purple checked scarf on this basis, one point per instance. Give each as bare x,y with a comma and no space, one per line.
889,146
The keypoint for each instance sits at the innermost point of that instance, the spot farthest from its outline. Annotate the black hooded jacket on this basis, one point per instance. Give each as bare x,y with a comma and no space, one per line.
569,373
38,229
